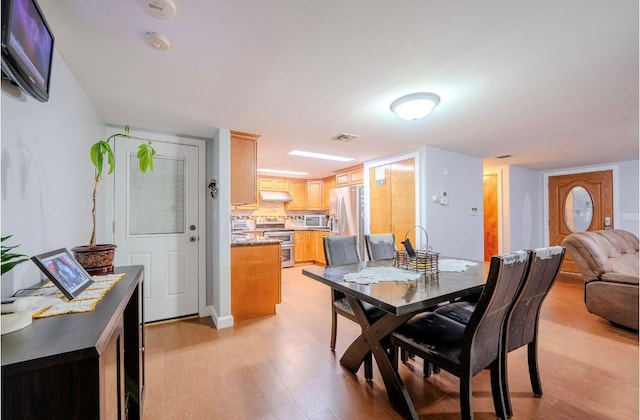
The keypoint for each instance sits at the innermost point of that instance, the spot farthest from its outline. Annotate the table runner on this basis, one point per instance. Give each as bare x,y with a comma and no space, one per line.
86,301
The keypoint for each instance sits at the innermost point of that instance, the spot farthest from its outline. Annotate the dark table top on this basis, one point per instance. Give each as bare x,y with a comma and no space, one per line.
400,298
71,336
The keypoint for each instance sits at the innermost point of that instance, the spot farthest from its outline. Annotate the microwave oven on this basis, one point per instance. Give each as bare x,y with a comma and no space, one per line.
316,221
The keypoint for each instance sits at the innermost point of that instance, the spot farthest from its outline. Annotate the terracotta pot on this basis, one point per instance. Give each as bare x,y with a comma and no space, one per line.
96,260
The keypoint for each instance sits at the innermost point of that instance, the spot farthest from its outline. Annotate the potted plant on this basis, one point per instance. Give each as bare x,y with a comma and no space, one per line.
98,258
13,317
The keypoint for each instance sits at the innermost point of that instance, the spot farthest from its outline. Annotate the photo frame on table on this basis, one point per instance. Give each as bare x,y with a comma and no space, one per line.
64,271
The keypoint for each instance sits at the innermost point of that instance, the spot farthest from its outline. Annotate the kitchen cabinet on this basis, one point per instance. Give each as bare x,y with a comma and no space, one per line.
327,185
350,176
298,191
306,245
255,280
392,199
320,248
314,194
299,246
244,163
273,184
86,365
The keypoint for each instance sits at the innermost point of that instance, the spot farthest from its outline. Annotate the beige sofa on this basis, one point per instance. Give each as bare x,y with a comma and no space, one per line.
608,260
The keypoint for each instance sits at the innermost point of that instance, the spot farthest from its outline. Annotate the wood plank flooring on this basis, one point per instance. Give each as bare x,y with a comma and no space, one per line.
281,367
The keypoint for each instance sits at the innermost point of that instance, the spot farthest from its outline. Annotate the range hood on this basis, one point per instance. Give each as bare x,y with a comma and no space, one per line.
280,196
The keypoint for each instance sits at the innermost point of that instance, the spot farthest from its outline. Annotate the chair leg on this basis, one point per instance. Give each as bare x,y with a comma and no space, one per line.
427,368
466,407
334,327
504,388
534,374
498,385
368,367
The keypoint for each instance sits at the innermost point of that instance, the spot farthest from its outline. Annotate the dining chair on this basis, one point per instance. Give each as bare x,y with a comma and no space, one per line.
522,323
341,250
380,246
466,350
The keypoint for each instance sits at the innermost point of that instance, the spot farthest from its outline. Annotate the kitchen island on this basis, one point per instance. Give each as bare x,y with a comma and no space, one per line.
255,277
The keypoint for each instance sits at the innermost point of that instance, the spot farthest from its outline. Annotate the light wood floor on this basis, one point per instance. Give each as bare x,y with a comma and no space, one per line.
281,367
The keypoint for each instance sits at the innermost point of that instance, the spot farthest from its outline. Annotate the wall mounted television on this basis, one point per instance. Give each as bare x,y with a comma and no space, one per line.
27,47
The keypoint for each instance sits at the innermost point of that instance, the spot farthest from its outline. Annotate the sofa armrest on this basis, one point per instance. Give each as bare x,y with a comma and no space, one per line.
620,278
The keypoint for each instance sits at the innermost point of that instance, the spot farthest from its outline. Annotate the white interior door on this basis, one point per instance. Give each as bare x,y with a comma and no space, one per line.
156,225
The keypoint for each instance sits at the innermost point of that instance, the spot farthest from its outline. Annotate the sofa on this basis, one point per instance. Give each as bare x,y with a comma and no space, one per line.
608,260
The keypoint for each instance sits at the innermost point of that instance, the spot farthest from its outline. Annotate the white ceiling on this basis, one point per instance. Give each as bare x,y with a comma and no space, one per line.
552,82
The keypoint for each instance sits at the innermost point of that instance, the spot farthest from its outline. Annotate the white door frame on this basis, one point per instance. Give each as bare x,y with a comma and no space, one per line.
108,202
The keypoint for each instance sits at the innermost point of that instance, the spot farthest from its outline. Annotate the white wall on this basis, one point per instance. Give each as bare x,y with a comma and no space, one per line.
46,171
453,230
628,199
524,207
218,230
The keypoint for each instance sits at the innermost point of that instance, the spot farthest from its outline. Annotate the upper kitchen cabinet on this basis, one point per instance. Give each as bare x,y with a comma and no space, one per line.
244,163
392,199
273,184
314,194
298,191
350,176
328,184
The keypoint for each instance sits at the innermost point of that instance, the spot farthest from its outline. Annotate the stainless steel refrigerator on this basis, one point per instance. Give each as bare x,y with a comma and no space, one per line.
346,214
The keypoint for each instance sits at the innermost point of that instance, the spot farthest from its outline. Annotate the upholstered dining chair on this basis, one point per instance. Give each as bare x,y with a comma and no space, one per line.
466,350
380,246
341,250
521,327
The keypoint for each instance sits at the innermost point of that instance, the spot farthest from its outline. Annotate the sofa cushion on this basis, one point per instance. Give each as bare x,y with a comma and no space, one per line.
604,251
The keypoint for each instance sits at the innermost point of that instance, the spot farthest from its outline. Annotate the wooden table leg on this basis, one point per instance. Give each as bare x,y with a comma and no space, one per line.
370,341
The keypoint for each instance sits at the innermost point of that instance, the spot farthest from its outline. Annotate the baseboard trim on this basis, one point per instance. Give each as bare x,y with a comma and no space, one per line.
220,322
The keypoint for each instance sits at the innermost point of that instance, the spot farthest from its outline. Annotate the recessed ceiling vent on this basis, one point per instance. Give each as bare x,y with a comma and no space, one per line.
503,156
344,137
159,9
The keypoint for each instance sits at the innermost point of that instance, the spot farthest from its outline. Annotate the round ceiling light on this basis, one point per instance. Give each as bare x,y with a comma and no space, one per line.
415,105
159,9
157,41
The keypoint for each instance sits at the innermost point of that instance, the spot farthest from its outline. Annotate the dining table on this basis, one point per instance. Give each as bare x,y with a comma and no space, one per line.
400,300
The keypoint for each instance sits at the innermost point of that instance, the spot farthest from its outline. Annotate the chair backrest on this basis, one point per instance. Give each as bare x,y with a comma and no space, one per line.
381,246
483,334
523,319
340,250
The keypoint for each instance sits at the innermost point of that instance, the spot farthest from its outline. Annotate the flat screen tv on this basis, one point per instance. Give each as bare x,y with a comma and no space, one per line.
27,47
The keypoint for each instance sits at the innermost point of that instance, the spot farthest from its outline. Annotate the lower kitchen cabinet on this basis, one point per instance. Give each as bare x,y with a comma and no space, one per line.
80,366
255,280
308,246
320,256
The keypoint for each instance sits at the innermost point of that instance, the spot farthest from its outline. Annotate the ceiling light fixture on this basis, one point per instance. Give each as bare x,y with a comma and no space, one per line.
157,41
159,9
281,172
415,105
320,156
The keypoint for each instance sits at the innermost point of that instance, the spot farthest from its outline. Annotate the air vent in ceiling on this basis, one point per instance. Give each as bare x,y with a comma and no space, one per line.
344,137
503,156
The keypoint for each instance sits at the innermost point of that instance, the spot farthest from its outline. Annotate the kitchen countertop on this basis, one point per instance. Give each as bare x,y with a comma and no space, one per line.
254,240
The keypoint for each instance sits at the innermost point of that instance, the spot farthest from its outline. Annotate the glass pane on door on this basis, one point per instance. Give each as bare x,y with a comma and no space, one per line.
157,198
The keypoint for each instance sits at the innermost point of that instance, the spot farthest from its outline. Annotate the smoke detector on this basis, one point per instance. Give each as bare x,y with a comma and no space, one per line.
344,137
157,41
159,9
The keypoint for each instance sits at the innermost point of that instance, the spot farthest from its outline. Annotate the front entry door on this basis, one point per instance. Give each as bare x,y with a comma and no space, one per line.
577,203
156,225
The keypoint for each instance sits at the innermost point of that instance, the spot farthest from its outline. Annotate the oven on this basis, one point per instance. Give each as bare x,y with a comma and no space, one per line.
286,247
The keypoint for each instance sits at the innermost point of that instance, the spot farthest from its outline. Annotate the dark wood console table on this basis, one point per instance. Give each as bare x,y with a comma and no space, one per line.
80,366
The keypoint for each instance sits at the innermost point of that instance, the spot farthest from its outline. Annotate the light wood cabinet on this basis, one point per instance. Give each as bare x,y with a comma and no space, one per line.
314,194
273,184
299,246
320,248
255,280
350,176
327,185
298,191
392,200
244,155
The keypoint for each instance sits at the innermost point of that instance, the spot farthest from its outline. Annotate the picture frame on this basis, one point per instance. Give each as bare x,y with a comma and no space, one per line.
64,271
